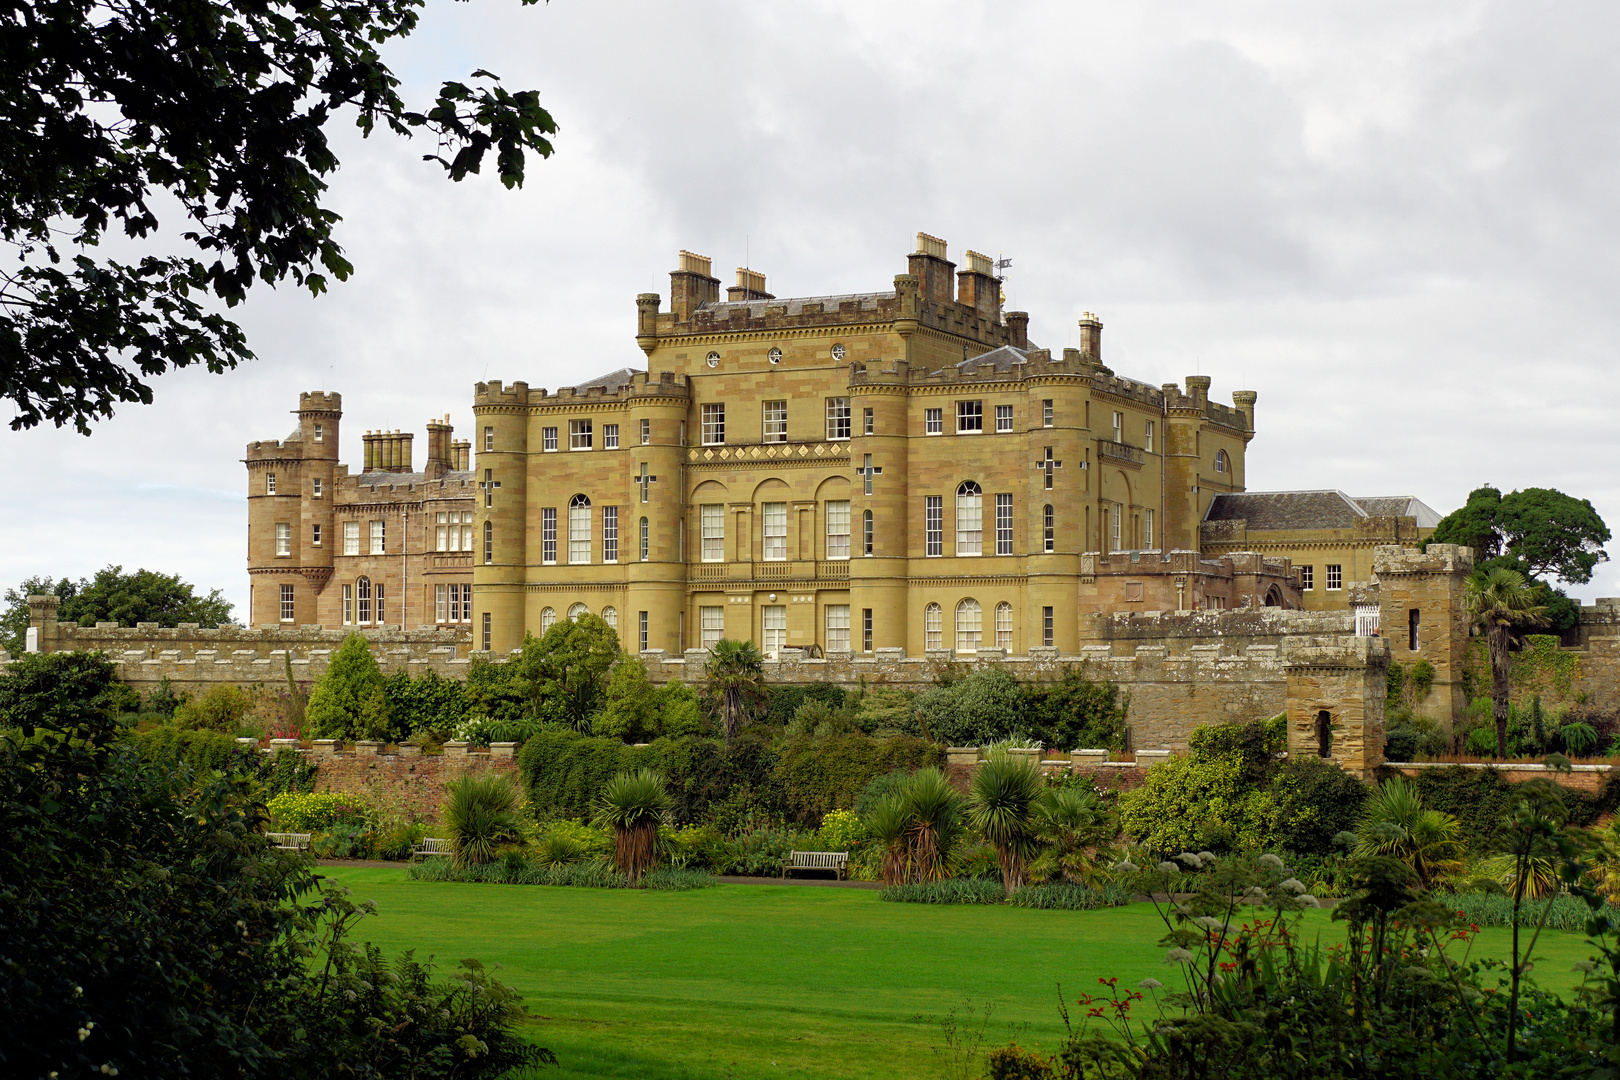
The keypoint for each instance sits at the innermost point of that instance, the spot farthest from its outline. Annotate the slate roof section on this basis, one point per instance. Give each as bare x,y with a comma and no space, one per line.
380,477
611,382
755,309
1003,359
1401,506
1327,509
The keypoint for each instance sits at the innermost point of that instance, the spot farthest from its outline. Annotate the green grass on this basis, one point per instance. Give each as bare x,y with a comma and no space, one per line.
766,981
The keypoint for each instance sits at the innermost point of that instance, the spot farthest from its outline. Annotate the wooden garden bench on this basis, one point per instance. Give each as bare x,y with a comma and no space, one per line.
288,841
817,860
429,846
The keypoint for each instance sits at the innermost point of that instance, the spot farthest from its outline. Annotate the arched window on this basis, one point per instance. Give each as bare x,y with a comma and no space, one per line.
1324,734
969,626
933,627
969,519
1222,462
1048,530
362,593
611,617
579,529
866,532
576,610
644,536
1004,629
548,616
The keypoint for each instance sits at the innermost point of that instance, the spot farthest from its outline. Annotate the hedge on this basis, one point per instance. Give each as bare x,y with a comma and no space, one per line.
1482,798
757,775
200,749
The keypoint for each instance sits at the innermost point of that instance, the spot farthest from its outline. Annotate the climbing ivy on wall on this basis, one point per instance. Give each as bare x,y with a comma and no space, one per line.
1540,668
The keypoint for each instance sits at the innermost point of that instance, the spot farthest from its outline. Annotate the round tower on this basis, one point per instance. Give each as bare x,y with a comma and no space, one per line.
656,585
500,551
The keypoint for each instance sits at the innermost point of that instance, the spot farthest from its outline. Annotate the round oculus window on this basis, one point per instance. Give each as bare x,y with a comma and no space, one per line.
714,359
774,356
838,352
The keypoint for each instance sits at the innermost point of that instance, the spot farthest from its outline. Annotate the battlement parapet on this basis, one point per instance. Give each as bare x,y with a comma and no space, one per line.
492,393
1390,559
320,401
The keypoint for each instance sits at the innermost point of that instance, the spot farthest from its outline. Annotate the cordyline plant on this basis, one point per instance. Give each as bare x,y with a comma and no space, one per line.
633,805
1001,804
918,826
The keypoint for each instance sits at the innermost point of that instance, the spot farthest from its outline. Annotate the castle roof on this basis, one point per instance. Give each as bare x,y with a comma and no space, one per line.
755,309
1002,359
1325,509
612,382
377,476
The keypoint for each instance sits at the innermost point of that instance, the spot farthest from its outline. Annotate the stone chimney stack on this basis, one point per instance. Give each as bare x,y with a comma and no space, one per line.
439,455
1018,328
1198,389
1091,339
978,288
933,270
461,455
692,286
750,286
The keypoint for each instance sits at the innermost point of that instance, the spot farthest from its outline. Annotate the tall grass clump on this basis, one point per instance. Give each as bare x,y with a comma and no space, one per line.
1063,896
947,891
633,805
481,814
1496,909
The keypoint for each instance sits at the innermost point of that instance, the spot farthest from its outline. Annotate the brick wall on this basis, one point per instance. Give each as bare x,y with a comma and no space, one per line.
413,783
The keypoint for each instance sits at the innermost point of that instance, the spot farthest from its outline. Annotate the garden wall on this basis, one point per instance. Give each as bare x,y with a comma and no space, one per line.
1588,778
411,781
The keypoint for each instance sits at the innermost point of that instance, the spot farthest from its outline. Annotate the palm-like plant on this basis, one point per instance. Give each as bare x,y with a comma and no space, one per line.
1001,800
633,805
1080,835
934,809
734,683
481,814
1497,600
890,825
1395,823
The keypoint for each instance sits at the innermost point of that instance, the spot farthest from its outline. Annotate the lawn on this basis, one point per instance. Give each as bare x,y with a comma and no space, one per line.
765,981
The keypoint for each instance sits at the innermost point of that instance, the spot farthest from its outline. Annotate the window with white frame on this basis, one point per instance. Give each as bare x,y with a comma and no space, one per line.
1004,625
1048,531
838,530
934,525
641,630
837,418
774,548
866,629
1119,427
579,435
1335,576
969,626
775,422
866,532
441,606
548,534
579,530
1046,413
969,416
933,627
315,534
1004,417
269,483
348,605
382,615
576,610
1004,523
441,522
488,631
868,424
645,539
1147,529
838,628
289,606
714,424
548,439
610,534
489,540
610,615
1147,437
461,612
711,626
362,593
283,538
610,436
351,538
548,619
1115,513
320,432
1307,578
1222,462
969,519
379,538
646,432
489,438
316,492
1046,626
712,532
933,421
773,623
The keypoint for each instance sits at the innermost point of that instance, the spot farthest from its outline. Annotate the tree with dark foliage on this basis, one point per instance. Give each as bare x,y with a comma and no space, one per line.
113,109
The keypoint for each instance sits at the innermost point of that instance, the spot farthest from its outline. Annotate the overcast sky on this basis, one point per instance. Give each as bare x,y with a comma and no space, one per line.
1395,221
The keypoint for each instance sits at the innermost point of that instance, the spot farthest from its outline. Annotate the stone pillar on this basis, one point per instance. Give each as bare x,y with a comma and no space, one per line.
1336,702
42,630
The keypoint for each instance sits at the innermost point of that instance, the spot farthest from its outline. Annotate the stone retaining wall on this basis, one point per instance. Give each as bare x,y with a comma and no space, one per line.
1587,778
400,777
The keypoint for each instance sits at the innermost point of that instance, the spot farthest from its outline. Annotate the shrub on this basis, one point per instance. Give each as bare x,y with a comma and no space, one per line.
1314,801
974,711
295,812
201,750
816,776
62,689
480,814
1076,712
946,891
349,701
755,853
426,702
841,830
633,805
222,708
566,772
784,701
